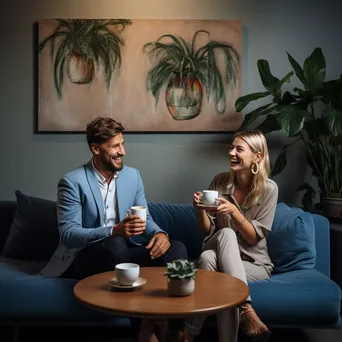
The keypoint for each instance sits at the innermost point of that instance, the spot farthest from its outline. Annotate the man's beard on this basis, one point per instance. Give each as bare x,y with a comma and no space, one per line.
110,166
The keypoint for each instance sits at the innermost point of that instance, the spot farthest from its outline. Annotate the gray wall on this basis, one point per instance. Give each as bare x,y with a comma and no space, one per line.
173,166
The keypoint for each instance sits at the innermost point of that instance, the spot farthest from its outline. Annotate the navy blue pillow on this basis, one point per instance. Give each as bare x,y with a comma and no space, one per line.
34,231
291,243
180,222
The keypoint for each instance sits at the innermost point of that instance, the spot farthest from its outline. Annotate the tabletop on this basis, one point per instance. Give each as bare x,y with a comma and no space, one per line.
214,292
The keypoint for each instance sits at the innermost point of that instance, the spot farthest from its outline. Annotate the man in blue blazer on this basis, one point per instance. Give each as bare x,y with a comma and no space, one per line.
92,201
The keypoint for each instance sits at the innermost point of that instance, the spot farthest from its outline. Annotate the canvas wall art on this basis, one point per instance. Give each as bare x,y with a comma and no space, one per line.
151,75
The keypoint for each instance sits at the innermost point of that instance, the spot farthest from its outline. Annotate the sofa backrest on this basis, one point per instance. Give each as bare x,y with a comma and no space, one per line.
179,220
7,210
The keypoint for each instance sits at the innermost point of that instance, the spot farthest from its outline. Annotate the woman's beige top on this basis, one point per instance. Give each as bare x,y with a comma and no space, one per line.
260,215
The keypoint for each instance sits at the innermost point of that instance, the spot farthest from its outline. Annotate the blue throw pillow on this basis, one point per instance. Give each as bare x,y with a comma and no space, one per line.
291,243
180,222
34,231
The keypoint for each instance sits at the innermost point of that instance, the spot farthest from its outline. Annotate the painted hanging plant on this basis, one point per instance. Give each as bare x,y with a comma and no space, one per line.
77,46
187,71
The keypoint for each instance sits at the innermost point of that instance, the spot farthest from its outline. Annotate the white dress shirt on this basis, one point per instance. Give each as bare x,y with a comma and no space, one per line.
108,192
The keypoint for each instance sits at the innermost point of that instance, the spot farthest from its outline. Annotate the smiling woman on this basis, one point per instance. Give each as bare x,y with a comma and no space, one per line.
236,230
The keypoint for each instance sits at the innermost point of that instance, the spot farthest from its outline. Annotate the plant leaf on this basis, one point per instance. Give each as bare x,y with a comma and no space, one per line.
334,121
298,70
291,119
255,114
270,124
280,163
277,87
314,69
243,101
268,80
288,98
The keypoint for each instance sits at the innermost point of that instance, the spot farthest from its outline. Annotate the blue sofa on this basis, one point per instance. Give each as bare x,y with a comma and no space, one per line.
299,294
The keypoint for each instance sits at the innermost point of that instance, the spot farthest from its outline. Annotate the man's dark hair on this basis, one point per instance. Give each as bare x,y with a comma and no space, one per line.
101,129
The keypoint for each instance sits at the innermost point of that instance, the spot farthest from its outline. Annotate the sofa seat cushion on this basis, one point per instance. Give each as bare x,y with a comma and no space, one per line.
33,298
295,298
28,267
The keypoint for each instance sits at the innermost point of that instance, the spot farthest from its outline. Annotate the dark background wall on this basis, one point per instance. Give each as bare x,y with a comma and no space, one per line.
173,166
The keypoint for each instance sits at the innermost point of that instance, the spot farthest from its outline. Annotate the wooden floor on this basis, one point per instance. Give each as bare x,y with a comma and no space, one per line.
86,334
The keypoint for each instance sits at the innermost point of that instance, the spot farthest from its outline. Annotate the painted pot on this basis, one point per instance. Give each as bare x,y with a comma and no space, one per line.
80,69
183,97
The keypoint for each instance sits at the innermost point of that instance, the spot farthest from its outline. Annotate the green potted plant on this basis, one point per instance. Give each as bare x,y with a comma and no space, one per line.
186,69
181,277
77,45
310,115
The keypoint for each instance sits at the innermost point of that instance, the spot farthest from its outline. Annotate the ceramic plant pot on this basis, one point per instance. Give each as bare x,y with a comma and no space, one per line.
180,287
332,207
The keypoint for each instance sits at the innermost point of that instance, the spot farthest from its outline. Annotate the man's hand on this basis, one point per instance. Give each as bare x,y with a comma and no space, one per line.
159,244
129,226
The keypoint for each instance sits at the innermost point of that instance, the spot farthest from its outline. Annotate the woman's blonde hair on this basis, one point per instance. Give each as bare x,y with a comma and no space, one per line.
257,143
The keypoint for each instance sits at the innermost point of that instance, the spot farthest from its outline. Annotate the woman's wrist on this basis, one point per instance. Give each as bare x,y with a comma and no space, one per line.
240,219
242,222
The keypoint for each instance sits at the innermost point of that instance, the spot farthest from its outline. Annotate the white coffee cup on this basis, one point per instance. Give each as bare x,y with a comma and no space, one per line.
138,210
209,197
127,273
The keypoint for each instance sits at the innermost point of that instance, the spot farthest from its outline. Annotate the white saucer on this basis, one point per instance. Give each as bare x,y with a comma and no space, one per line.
138,283
208,207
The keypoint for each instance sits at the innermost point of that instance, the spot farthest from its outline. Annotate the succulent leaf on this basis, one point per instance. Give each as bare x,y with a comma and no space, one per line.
181,269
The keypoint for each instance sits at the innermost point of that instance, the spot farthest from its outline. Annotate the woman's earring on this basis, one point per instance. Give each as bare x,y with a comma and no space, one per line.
255,168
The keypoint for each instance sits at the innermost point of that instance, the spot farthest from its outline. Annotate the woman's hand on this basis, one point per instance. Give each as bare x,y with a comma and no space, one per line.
225,207
197,199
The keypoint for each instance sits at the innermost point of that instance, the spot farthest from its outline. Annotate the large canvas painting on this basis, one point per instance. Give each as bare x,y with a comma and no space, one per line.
150,75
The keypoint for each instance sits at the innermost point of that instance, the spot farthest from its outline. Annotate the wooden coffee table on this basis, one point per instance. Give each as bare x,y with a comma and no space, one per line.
214,292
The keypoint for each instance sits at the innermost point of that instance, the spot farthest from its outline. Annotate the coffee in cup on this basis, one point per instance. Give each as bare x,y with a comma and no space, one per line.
209,197
127,273
139,210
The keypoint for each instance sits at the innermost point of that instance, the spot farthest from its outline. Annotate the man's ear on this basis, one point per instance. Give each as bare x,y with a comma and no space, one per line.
94,148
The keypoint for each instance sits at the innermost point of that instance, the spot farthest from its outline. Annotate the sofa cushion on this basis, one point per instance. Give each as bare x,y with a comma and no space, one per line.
179,221
33,298
33,234
303,298
291,243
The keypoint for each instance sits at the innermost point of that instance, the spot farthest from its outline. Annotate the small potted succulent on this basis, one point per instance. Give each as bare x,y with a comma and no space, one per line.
181,277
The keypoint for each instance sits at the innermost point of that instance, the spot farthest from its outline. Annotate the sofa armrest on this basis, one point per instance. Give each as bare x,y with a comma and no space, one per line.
322,242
